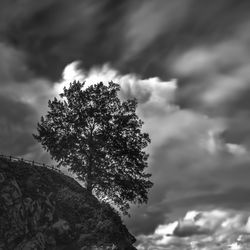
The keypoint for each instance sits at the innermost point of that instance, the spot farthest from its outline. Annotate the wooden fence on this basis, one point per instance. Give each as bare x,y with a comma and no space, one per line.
32,163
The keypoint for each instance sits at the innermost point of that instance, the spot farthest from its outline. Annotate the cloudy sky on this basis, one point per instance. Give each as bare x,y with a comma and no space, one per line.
187,62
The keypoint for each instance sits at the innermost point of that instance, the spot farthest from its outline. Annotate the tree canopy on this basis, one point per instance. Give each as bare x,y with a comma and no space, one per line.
99,137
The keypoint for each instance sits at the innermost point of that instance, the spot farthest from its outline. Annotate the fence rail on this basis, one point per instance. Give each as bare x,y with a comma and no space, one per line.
33,163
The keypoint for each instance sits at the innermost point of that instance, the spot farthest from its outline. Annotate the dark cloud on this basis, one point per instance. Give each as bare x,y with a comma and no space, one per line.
146,219
188,228
217,77
168,35
55,33
12,65
133,36
233,198
17,123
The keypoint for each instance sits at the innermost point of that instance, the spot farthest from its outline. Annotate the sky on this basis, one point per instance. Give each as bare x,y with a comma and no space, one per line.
187,63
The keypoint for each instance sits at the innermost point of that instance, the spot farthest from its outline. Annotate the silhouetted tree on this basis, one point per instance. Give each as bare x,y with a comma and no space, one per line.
99,138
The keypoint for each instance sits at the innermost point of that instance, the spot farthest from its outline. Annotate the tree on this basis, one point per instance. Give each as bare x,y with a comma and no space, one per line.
99,138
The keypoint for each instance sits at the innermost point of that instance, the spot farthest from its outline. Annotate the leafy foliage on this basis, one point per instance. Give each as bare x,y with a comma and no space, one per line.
99,137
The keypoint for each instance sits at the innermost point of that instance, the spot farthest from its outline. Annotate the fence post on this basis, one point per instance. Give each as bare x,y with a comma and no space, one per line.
31,162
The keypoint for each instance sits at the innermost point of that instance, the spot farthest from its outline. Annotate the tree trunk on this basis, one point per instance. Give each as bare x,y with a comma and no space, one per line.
89,185
89,167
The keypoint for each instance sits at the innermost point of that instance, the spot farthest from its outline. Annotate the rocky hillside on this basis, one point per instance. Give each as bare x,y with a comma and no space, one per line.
41,208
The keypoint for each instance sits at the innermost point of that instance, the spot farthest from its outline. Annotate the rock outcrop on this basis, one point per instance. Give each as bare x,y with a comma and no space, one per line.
43,209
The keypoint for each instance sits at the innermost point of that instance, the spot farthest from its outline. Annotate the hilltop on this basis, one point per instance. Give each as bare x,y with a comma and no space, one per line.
41,208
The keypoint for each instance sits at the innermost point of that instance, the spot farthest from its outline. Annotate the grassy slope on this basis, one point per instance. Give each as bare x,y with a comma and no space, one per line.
91,222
